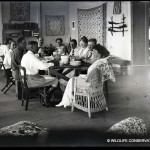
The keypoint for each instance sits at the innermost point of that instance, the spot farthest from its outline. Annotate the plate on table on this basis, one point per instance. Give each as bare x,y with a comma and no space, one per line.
75,63
48,58
83,76
44,61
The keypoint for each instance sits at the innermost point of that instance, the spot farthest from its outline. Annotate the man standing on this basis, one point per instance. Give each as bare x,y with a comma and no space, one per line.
33,65
15,62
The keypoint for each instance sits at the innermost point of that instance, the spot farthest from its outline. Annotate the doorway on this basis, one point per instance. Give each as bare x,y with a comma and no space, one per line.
140,15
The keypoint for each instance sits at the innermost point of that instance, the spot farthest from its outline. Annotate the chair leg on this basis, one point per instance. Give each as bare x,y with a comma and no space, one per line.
8,88
45,97
22,92
72,108
5,86
22,96
39,94
89,112
27,101
22,103
106,108
106,88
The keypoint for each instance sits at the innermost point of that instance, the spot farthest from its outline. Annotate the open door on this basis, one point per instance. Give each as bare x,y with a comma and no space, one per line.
140,33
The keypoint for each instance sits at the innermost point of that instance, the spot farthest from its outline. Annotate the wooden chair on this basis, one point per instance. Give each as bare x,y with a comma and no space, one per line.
10,80
88,93
26,89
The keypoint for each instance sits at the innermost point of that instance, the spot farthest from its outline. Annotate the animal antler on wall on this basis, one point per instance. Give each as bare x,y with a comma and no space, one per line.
120,28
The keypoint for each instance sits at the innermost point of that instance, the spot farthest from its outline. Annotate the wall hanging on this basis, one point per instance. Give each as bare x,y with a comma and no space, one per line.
55,25
19,11
117,7
117,26
92,23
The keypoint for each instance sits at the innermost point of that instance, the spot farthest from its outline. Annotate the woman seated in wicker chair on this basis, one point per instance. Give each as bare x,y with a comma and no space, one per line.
86,80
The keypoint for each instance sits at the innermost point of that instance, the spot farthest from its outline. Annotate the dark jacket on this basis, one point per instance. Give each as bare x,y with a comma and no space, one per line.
16,58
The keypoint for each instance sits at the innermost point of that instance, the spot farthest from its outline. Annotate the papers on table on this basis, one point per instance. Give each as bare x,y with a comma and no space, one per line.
48,77
83,76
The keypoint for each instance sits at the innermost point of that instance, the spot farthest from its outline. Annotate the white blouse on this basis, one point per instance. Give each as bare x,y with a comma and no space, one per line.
7,59
33,64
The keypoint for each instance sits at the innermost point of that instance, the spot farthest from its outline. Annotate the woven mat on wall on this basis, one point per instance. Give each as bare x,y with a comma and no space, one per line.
92,23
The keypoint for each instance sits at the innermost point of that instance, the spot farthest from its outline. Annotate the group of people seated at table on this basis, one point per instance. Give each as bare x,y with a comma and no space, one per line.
20,53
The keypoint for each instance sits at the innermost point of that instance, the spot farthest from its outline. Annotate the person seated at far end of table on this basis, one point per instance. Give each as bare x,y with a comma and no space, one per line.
33,65
74,49
40,52
61,48
40,41
82,49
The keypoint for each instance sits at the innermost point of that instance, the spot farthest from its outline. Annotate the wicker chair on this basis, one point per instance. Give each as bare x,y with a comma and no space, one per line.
88,93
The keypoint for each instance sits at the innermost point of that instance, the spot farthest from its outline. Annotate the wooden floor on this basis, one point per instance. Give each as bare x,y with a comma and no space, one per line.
128,97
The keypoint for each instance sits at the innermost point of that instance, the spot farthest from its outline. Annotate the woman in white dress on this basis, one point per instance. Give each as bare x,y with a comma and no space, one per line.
107,74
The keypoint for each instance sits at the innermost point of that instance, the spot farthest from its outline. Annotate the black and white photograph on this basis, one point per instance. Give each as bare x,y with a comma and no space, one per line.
74,74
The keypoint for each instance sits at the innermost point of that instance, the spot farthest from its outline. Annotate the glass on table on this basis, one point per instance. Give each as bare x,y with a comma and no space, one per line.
54,54
61,63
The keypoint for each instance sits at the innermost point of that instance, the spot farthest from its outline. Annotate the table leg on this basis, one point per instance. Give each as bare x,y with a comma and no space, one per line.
59,75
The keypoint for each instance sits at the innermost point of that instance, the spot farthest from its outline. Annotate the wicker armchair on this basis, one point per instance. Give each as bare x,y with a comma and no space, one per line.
88,93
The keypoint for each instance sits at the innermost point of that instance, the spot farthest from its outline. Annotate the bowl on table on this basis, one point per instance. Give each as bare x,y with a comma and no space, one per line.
48,58
75,63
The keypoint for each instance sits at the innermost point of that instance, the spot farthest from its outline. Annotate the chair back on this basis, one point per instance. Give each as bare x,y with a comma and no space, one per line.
94,77
106,69
22,74
93,80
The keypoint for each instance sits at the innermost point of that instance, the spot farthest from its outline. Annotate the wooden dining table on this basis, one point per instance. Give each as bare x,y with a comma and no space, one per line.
57,70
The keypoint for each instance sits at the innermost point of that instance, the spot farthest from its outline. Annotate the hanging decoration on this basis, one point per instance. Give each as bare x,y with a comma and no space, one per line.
92,23
117,27
117,7
19,11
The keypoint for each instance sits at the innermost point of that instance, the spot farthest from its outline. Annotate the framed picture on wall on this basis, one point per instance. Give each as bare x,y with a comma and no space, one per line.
20,11
117,7
55,25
